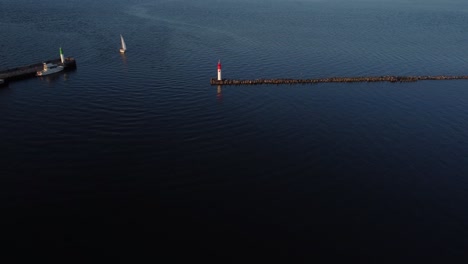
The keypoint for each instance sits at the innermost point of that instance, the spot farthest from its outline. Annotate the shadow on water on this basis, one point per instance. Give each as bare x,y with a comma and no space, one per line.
3,85
5,90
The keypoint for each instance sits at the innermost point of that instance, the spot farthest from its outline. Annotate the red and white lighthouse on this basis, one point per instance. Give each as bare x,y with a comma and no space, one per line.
219,70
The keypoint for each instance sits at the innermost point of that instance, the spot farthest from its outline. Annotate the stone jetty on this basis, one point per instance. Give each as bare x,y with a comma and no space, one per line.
392,79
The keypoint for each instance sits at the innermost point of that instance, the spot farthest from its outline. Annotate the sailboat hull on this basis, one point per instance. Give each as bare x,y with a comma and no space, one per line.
122,51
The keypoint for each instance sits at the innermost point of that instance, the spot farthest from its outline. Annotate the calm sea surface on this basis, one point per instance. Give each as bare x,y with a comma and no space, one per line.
138,153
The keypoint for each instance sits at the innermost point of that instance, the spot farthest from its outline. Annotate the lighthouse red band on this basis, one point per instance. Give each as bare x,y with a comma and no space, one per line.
219,70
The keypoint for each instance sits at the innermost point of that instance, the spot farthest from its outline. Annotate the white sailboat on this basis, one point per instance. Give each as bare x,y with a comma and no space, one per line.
123,46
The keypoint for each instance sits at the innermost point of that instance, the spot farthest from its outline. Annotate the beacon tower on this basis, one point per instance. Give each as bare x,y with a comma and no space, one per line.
61,56
219,70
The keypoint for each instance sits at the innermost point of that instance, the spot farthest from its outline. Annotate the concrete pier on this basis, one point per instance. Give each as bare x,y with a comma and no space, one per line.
393,79
30,70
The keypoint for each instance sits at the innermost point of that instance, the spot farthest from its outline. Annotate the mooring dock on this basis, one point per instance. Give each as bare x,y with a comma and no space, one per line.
336,80
30,70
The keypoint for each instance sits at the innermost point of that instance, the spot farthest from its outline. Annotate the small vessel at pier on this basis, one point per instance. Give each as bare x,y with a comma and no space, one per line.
49,68
122,45
38,69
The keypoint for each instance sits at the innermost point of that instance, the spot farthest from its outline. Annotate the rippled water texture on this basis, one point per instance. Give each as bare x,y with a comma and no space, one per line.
139,151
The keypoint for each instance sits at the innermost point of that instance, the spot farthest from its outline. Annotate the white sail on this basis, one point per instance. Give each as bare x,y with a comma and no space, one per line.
124,47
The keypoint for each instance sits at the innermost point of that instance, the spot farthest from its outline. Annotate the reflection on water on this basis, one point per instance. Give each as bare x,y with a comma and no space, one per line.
66,76
124,58
219,94
51,78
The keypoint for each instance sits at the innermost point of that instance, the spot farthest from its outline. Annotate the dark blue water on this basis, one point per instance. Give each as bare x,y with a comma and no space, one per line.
137,154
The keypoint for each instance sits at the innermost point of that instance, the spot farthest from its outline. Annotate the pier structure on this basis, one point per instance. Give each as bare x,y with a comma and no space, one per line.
392,79
28,71
387,78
